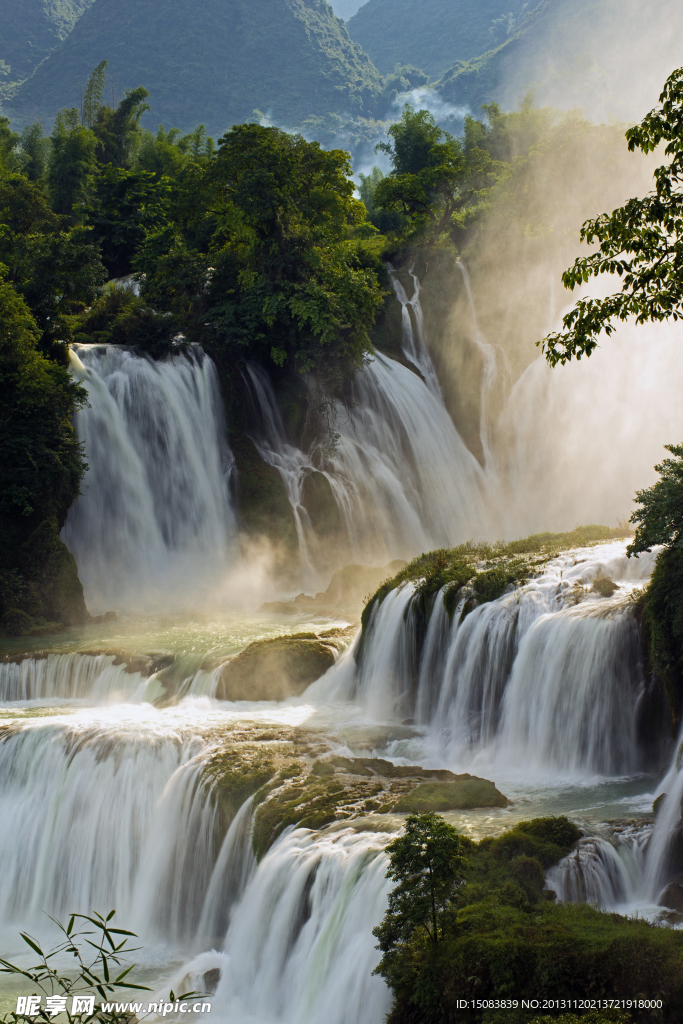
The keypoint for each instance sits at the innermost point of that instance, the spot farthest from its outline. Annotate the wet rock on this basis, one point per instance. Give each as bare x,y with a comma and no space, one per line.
672,897
463,794
277,669
211,979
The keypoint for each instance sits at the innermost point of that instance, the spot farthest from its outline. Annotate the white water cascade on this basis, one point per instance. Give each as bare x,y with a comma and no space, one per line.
532,678
300,948
155,519
97,815
413,341
402,478
602,872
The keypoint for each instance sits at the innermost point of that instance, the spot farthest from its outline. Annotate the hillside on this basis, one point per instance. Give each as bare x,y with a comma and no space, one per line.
577,53
346,9
287,58
431,34
31,29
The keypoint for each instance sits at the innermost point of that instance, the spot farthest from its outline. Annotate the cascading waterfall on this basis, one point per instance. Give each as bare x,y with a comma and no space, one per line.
96,816
300,948
72,676
402,478
489,372
413,341
534,678
155,518
603,872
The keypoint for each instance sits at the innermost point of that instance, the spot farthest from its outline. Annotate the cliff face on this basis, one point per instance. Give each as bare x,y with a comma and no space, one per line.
286,58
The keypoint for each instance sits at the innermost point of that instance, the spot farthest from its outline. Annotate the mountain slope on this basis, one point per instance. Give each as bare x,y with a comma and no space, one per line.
33,28
431,34
609,57
286,58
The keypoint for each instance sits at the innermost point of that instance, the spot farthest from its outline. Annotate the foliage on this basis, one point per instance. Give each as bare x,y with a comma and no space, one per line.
41,459
507,939
489,568
662,611
100,969
434,176
641,243
660,520
126,207
259,250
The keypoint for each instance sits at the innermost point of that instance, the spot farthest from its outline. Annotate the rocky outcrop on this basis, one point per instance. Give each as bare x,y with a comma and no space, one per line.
279,668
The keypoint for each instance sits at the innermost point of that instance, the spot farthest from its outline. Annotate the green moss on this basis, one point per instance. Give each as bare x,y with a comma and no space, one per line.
236,774
465,793
504,563
276,669
312,804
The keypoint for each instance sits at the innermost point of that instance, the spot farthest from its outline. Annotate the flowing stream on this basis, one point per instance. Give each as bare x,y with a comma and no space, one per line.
108,732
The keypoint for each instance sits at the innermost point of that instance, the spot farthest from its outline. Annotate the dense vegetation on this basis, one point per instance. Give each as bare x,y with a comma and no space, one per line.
499,934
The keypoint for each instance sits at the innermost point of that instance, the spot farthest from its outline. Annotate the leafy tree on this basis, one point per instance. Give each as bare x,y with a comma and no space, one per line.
9,141
41,458
72,163
126,207
118,129
660,520
427,863
262,252
35,149
434,176
56,271
641,242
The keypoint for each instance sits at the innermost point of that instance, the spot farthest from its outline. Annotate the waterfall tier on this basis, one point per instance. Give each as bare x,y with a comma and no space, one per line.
532,678
154,522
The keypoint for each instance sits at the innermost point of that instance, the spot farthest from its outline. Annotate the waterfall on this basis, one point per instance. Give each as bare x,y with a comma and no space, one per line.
401,476
601,872
106,815
72,676
413,340
300,948
533,678
154,524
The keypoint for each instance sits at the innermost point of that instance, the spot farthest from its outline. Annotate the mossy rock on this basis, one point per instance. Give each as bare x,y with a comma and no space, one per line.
276,669
463,794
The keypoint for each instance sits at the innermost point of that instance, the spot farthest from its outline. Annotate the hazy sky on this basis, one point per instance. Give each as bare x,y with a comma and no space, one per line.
345,8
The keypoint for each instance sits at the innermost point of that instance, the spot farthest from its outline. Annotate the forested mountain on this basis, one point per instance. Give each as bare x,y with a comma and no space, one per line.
576,53
31,29
286,58
432,34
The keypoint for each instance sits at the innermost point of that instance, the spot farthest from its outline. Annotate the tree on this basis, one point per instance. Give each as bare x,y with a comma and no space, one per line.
641,243
262,253
126,207
72,162
660,520
427,864
35,148
434,176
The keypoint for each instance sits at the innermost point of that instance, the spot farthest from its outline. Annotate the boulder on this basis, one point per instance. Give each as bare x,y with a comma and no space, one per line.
672,897
279,668
464,794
